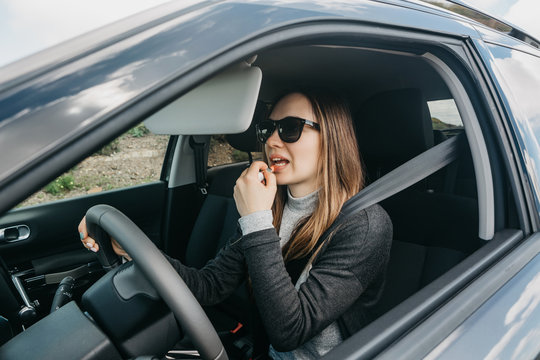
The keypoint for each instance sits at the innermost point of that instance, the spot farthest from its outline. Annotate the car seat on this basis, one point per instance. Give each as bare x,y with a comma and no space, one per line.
216,223
433,230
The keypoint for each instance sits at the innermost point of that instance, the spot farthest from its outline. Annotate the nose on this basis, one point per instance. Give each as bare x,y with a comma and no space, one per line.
274,140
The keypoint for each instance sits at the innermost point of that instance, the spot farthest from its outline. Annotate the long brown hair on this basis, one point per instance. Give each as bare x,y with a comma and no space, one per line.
340,178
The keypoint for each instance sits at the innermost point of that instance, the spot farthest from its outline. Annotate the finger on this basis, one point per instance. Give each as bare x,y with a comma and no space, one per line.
83,233
255,167
270,179
91,244
118,249
242,176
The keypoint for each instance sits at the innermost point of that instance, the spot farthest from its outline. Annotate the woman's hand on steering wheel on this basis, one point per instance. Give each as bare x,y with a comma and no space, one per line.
92,245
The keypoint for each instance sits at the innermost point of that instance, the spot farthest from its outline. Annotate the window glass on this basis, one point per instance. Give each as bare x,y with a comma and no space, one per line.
444,114
221,153
134,158
519,79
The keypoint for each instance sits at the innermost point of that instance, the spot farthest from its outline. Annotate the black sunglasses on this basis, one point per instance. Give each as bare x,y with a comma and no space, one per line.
289,128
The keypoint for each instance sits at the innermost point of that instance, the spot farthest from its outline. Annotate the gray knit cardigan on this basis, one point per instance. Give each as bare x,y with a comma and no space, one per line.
345,281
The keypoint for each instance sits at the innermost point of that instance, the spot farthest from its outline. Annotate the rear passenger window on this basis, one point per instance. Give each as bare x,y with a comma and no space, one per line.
444,115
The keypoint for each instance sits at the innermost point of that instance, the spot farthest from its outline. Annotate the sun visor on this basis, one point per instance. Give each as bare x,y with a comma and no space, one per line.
222,105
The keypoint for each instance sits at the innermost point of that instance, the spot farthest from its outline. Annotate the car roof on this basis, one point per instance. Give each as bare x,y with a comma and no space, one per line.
58,97
111,33
481,17
108,35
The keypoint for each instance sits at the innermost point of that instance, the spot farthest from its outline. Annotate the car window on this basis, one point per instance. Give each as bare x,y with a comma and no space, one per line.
444,114
222,153
519,77
134,158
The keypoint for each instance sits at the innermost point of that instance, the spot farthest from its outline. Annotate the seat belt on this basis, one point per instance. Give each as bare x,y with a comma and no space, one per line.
402,177
405,175
200,164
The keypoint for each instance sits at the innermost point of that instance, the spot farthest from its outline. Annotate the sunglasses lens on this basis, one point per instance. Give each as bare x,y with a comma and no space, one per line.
290,129
265,130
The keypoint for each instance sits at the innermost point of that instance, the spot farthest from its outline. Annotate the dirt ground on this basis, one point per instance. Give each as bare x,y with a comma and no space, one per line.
137,160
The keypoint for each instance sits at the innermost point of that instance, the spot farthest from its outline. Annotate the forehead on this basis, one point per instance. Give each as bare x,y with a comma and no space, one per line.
294,104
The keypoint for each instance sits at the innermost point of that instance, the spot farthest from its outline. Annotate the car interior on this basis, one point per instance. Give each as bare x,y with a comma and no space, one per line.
190,213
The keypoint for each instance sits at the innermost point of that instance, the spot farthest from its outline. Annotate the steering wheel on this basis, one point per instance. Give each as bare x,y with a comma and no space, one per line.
158,271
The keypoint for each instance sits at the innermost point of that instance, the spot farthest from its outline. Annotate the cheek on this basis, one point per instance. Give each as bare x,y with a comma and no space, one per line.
308,150
308,162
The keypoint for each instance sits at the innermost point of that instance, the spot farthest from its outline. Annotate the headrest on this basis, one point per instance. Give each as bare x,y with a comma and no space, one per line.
393,127
247,141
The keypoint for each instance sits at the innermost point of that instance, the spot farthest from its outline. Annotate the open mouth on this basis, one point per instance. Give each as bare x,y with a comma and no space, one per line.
279,162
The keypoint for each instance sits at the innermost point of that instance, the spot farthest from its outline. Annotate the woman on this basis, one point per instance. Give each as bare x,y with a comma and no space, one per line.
313,274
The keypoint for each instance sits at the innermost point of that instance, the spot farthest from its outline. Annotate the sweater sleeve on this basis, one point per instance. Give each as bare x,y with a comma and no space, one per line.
217,279
350,261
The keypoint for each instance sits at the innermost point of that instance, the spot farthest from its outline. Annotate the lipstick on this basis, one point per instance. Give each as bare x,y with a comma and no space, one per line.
261,175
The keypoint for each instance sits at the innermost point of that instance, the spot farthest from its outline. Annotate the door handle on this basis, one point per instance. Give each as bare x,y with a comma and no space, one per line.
14,233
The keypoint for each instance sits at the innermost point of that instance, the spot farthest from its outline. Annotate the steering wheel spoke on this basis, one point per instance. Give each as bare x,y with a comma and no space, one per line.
160,273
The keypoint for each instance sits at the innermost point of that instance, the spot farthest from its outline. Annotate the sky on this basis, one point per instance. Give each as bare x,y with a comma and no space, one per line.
522,13
27,26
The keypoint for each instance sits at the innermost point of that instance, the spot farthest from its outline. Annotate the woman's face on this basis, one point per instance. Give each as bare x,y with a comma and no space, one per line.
295,164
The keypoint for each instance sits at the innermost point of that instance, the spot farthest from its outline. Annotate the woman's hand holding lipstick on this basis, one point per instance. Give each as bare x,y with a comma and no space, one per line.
261,174
253,193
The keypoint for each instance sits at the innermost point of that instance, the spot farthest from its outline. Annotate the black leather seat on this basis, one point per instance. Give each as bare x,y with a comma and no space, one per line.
219,208
217,222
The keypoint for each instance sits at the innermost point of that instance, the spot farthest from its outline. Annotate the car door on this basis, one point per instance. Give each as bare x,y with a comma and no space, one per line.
40,243
503,298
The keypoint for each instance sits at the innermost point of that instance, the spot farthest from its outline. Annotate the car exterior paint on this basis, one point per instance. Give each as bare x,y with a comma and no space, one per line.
89,90
505,327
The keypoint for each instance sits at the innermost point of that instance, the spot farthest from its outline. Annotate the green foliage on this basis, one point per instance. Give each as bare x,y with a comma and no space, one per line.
139,131
238,155
440,125
109,149
62,184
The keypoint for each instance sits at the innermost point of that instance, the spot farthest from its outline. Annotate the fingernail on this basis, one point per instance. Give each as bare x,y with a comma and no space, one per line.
81,235
93,249
89,244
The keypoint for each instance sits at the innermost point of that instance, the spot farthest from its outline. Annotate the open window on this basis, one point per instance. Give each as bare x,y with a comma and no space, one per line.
404,102
407,94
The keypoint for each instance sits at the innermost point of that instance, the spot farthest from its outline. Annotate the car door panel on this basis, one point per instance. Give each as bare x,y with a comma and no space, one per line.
53,250
53,226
